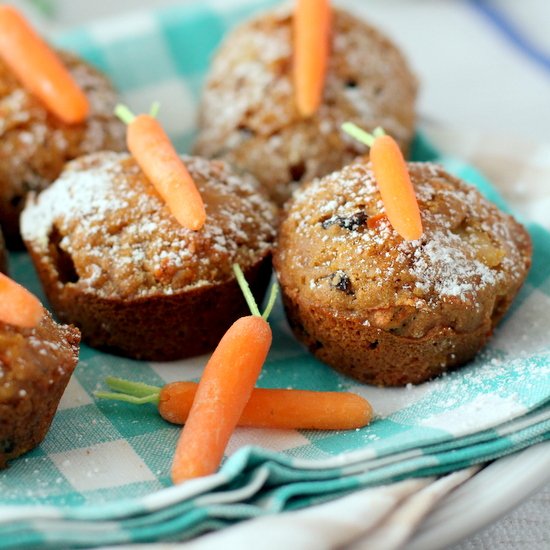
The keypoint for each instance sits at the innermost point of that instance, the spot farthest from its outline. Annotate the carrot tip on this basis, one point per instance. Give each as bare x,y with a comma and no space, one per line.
307,111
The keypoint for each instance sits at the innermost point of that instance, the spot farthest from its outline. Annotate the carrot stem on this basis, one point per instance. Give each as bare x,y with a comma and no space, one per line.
358,133
124,113
245,288
155,108
116,396
249,297
137,389
39,69
271,301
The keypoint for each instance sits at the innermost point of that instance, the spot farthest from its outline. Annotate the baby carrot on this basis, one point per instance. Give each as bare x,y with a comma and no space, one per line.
311,36
224,390
39,69
156,156
393,180
280,408
17,305
267,408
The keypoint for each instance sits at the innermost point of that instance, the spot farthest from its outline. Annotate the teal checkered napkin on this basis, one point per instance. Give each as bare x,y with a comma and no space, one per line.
101,475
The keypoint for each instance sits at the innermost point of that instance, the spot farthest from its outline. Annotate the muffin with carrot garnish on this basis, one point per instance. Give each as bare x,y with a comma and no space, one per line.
388,297
37,358
137,251
282,84
54,107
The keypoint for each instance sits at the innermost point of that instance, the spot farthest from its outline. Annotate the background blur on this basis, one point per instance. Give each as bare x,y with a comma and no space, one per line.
482,64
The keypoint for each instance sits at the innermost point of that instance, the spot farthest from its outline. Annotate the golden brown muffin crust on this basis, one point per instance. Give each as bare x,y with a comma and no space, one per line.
248,114
116,263
35,367
341,264
34,144
107,224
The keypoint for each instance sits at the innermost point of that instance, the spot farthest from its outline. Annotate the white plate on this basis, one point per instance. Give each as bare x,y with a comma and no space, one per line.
490,494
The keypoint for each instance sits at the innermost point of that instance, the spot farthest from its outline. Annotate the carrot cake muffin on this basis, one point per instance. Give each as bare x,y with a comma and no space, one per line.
248,113
115,262
388,311
35,144
35,367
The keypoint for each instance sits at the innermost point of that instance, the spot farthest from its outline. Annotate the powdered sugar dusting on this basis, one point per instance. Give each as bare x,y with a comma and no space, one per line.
28,356
257,57
248,113
123,241
482,412
444,269
469,258
33,142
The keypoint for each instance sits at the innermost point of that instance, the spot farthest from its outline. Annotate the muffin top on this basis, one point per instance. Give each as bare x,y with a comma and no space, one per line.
108,231
368,82
367,78
34,144
337,247
35,356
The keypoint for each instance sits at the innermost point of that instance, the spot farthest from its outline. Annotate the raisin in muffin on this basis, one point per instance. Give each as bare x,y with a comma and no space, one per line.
116,263
35,367
388,311
35,144
248,113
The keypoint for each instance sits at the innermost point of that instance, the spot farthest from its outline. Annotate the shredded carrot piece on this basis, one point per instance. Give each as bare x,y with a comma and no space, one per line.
393,179
223,392
18,306
311,36
156,156
39,69
373,221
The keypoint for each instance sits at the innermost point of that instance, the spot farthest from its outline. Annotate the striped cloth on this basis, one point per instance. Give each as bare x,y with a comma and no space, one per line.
101,475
